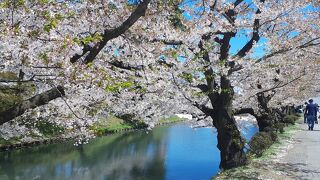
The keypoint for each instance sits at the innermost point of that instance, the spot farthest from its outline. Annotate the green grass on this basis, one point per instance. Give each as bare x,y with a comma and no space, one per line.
114,124
116,127
171,119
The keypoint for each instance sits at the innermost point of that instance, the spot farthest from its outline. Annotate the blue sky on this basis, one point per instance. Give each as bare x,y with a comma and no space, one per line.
241,38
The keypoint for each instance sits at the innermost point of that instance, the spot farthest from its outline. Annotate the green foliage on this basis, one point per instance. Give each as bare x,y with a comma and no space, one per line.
114,124
8,99
43,1
45,14
59,16
51,24
8,75
10,3
3,141
119,127
280,127
34,33
173,2
200,94
3,5
119,86
88,39
226,91
44,57
273,65
290,119
187,76
261,141
48,129
13,140
222,63
171,119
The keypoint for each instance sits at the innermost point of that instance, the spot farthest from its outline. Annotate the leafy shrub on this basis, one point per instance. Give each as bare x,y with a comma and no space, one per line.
261,141
290,119
280,126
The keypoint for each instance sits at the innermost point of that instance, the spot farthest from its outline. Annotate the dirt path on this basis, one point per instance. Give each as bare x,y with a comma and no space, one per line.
296,156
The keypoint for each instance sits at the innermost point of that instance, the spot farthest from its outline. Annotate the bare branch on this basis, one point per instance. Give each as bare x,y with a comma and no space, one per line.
280,85
310,43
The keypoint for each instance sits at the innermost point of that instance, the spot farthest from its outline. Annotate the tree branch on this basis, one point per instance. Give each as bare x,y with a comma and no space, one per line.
90,53
255,36
279,85
127,66
310,43
203,108
168,42
35,101
244,111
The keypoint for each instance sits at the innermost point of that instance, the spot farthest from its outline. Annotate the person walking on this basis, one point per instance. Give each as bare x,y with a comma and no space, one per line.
304,114
311,113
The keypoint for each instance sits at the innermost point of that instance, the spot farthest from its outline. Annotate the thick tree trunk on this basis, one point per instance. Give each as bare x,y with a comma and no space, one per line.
266,117
230,142
31,103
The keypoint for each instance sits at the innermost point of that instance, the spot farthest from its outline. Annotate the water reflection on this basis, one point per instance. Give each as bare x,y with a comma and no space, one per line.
171,152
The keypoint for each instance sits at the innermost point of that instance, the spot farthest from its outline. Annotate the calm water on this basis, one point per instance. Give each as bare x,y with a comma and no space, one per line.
169,152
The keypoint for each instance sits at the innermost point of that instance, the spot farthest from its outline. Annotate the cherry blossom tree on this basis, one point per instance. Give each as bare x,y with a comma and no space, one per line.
150,58
290,29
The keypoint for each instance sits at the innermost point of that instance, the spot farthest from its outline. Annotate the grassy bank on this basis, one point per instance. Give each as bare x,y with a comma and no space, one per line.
52,133
114,124
172,119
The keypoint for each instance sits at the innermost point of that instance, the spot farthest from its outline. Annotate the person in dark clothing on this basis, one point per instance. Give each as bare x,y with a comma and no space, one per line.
311,112
305,115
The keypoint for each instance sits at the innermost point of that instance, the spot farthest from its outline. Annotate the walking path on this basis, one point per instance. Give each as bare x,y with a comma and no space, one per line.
303,159
296,157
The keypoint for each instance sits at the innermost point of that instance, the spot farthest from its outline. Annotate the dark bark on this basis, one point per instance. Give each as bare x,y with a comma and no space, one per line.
266,117
230,141
127,66
168,42
35,101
